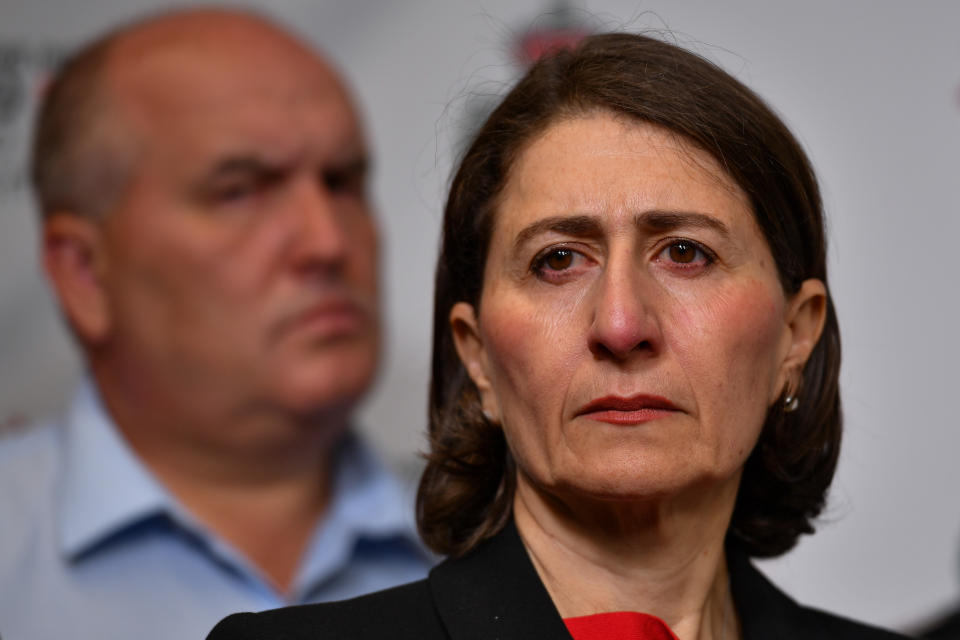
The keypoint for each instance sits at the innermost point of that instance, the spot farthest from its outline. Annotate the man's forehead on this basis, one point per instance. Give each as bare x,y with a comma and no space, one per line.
221,75
215,50
205,30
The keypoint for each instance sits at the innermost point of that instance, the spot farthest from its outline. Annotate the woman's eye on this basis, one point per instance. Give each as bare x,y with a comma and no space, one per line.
683,252
686,253
558,260
557,263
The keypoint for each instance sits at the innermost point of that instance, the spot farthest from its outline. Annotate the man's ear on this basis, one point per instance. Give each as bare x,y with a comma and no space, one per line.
74,260
473,355
806,314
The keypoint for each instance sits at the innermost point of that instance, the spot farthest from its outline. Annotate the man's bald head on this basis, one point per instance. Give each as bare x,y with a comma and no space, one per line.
207,228
88,136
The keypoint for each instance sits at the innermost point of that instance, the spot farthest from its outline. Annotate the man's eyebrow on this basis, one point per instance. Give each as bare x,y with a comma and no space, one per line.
660,221
579,226
243,165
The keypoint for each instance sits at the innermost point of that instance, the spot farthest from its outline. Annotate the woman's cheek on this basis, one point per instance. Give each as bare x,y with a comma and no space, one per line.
727,345
754,316
741,320
529,352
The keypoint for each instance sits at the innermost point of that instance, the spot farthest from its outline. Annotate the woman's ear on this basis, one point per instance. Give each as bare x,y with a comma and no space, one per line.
805,317
74,261
472,351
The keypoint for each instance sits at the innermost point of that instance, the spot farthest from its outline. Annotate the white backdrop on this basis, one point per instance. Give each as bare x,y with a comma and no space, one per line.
871,88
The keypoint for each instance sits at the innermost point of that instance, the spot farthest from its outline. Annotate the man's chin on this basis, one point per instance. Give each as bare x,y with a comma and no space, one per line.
328,394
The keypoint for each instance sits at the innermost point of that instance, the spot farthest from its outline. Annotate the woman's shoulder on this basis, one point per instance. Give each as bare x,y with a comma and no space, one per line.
821,624
766,612
403,612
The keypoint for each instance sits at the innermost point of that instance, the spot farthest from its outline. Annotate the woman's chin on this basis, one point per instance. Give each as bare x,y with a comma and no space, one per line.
609,487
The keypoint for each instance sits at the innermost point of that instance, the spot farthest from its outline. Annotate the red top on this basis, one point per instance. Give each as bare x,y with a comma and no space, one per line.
622,625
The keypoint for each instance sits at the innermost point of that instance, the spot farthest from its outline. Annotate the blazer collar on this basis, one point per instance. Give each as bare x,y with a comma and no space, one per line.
495,592
765,611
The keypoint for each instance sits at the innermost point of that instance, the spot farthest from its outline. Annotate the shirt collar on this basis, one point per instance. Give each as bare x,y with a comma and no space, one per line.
369,503
104,487
106,490
366,494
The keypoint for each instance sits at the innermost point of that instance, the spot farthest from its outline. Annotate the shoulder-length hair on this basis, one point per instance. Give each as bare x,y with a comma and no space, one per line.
466,492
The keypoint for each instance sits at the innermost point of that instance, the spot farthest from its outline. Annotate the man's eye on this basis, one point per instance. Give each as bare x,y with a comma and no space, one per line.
348,181
235,192
245,187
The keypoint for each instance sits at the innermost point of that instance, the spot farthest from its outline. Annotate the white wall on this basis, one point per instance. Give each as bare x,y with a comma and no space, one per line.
871,88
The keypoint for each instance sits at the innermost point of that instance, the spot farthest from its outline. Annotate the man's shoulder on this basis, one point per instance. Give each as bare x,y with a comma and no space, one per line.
29,458
404,613
29,463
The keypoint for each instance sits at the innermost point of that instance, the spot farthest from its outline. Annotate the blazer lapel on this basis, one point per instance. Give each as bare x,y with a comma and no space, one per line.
766,613
494,593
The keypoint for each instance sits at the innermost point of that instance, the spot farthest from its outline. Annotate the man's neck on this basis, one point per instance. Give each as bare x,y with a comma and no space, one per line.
253,477
270,523
663,559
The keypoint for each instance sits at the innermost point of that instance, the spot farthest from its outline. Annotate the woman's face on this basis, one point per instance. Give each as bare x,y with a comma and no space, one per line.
632,331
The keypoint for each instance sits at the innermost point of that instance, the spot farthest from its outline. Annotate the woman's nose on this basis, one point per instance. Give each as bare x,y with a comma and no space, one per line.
624,322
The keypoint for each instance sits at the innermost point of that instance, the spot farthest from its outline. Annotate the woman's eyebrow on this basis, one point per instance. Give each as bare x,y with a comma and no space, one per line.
660,221
579,226
656,221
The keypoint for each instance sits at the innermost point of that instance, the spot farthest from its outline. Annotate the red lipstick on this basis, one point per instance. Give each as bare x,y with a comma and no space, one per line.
627,411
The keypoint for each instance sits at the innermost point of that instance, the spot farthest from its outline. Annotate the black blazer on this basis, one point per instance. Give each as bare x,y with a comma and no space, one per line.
494,593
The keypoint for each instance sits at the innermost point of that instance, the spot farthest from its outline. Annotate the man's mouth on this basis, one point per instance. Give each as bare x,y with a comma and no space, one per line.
332,318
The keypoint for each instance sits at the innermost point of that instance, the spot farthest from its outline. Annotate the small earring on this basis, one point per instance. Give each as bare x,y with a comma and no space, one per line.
791,403
489,417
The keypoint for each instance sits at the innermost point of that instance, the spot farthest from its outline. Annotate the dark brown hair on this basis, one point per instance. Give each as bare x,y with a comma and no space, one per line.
467,489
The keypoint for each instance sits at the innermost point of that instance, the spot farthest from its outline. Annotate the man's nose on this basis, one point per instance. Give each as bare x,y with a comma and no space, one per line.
625,323
320,239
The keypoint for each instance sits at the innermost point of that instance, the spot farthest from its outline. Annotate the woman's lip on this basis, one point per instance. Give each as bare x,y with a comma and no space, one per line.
633,410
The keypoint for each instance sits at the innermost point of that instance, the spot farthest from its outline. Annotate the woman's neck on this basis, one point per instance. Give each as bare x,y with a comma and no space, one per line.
663,557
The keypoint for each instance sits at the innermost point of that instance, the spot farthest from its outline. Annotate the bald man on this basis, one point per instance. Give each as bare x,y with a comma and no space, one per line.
206,230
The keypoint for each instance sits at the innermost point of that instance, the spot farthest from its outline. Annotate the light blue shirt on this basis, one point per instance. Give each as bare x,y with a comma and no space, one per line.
92,546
